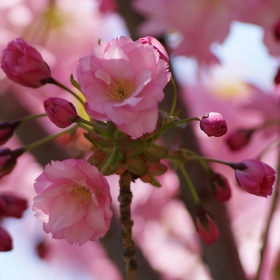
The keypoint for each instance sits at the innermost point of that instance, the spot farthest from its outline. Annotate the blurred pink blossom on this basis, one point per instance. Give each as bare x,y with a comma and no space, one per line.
73,201
123,82
6,243
255,177
24,65
15,205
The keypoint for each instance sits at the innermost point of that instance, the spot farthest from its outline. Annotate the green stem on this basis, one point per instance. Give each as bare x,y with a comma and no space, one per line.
101,130
48,139
54,82
190,184
29,118
109,160
174,100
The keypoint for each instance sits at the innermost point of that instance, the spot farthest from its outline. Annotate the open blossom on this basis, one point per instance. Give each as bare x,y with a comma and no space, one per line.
60,111
24,65
123,82
73,201
255,177
213,124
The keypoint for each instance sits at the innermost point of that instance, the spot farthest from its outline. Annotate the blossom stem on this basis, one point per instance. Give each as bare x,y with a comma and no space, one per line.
125,198
190,184
268,222
48,139
103,131
32,117
108,162
55,82
174,100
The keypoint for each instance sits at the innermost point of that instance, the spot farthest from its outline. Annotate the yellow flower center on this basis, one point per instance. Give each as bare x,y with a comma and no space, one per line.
81,193
119,89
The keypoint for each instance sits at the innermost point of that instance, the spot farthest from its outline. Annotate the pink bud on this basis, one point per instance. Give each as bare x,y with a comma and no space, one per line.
7,130
220,187
8,160
5,241
157,46
255,177
239,139
14,205
277,77
206,227
24,65
60,111
213,124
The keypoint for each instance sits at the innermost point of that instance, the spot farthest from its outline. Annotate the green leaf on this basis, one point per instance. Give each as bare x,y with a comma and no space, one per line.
136,166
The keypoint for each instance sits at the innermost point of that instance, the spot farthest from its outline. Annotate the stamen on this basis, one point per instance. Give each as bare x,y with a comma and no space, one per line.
81,193
119,89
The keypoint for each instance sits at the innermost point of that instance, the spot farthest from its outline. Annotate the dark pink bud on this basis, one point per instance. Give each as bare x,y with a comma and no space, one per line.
7,130
42,249
24,65
6,243
277,77
213,124
255,177
276,30
239,139
8,160
3,207
157,46
206,227
220,187
14,205
60,111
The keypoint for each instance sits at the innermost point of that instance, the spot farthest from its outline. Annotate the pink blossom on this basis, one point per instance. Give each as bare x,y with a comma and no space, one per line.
157,46
206,227
60,111
73,201
239,139
6,243
24,65
255,177
213,124
123,82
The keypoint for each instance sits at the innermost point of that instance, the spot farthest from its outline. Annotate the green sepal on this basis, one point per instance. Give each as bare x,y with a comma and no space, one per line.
75,83
155,152
135,148
136,166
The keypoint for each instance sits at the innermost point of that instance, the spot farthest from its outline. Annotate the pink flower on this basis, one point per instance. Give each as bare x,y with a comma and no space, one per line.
123,82
206,227
255,177
157,46
73,201
213,124
24,65
6,243
8,160
239,139
220,187
60,111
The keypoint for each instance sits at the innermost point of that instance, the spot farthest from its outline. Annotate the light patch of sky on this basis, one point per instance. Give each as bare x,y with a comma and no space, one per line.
243,57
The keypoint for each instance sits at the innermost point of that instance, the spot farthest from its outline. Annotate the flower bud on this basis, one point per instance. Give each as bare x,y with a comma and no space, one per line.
277,77
8,160
276,30
7,130
5,241
255,177
24,65
220,187
60,111
14,205
157,47
213,124
205,226
239,139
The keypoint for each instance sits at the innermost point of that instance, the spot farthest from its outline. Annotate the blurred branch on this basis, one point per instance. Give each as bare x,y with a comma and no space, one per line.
222,256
